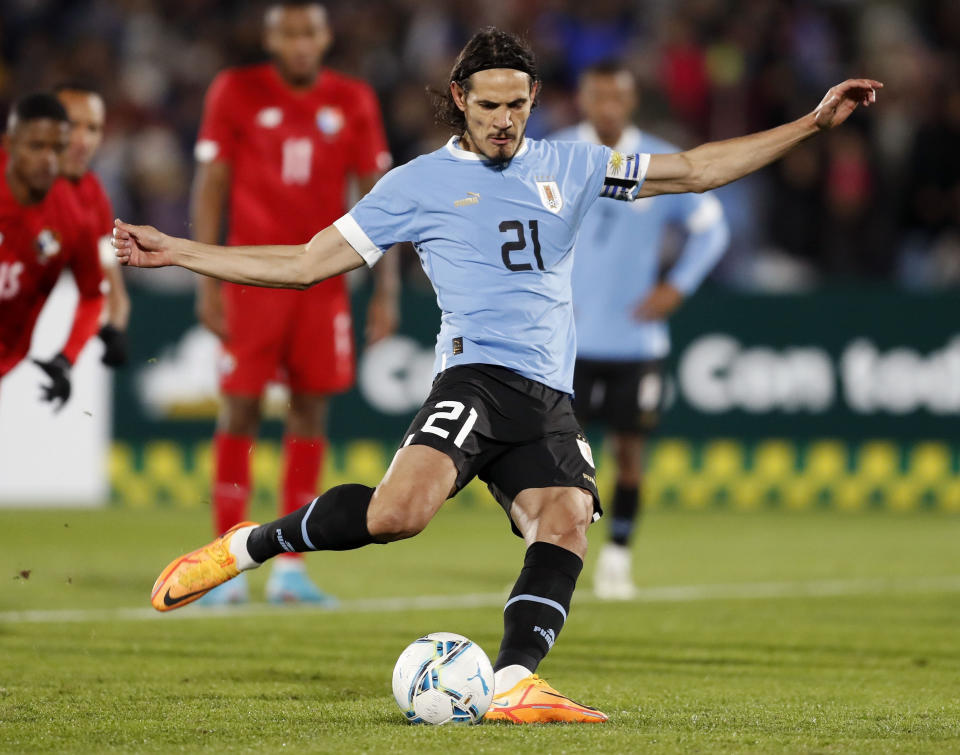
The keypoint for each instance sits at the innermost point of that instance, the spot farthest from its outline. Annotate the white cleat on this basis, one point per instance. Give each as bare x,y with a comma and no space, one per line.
612,578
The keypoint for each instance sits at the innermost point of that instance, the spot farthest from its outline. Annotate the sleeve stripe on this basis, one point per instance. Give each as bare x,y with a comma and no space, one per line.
357,238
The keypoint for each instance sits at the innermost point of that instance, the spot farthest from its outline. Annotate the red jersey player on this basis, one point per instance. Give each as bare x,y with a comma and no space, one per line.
42,231
87,114
281,141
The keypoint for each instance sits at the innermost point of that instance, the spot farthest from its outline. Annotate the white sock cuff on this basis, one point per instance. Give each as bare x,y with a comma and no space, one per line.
238,547
508,676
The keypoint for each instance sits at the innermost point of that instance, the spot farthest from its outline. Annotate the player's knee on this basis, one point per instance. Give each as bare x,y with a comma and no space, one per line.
307,416
397,517
240,415
628,454
565,519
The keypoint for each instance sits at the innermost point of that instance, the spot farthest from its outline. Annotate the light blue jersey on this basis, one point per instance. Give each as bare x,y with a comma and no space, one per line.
618,259
496,241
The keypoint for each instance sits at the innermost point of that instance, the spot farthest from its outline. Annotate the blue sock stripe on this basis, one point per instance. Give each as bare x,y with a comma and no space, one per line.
621,527
537,599
303,525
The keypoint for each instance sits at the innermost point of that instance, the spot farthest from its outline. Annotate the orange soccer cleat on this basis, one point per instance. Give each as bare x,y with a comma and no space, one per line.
191,576
533,701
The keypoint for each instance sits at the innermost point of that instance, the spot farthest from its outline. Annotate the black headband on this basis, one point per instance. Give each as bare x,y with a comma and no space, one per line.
467,73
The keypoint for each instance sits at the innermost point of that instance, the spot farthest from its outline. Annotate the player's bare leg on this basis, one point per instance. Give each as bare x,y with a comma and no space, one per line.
237,426
410,494
613,578
554,524
345,517
304,448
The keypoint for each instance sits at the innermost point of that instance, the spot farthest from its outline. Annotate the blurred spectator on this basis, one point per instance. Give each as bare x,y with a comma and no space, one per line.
879,203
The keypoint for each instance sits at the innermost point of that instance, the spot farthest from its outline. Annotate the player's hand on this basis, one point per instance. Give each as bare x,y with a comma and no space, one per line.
115,345
841,100
209,307
662,301
383,316
58,390
141,245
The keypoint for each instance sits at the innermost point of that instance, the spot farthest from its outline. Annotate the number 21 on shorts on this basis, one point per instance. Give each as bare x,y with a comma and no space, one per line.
453,413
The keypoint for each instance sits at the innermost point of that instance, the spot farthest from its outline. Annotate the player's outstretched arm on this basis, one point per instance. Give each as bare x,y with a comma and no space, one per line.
296,266
717,163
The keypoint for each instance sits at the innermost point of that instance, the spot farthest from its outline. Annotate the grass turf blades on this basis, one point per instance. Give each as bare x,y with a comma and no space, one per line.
860,672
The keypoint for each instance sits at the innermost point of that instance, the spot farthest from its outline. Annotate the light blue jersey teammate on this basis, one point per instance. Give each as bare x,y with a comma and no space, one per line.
619,253
495,228
496,240
622,336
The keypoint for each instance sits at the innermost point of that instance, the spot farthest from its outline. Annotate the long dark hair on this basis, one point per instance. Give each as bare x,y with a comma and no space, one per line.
488,48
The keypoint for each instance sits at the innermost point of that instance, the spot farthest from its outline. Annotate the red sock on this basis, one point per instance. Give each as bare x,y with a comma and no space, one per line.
303,460
231,479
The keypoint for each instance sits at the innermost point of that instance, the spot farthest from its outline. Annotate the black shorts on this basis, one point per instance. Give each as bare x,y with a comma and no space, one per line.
624,396
511,432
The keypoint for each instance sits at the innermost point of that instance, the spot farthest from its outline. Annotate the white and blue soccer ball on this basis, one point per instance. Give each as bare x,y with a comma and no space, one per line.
443,678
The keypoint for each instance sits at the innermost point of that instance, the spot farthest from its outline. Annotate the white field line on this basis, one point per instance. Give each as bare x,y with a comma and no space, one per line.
668,594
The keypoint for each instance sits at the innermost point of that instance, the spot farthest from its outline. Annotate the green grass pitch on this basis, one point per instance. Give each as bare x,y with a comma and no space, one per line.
765,632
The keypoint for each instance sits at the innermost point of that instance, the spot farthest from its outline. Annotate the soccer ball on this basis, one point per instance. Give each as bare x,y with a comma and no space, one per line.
441,678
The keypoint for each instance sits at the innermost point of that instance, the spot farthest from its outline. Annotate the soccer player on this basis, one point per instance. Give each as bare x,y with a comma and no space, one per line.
42,231
494,217
87,115
622,336
278,144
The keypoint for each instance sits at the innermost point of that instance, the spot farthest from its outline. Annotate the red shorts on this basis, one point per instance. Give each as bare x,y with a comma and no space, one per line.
12,356
302,338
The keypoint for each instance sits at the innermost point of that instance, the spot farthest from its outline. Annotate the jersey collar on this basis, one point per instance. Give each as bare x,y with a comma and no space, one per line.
629,140
453,147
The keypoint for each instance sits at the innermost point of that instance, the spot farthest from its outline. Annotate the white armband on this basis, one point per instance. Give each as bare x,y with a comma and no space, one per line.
624,176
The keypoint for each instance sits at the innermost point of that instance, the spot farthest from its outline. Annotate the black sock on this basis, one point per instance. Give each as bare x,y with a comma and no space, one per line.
538,605
626,511
336,521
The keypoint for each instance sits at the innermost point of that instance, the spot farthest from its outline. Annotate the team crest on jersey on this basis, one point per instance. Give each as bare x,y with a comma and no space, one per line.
550,195
270,117
329,120
48,245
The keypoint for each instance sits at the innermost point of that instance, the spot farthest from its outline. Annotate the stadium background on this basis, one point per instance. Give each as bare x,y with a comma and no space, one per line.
820,366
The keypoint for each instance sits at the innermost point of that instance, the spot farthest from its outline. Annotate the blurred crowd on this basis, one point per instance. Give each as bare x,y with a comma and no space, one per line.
876,200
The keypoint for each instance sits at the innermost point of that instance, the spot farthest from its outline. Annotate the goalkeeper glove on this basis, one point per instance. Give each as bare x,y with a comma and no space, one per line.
115,343
58,370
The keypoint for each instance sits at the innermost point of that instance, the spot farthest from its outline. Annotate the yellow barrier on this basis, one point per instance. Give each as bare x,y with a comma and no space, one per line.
722,472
